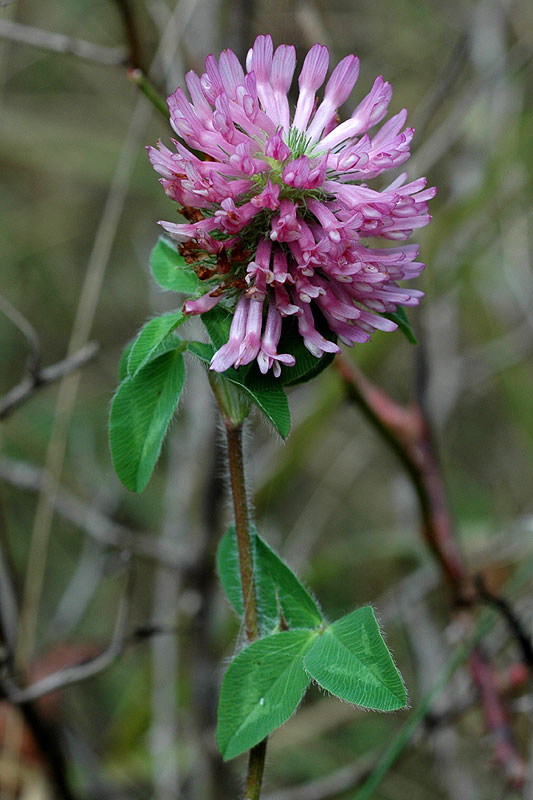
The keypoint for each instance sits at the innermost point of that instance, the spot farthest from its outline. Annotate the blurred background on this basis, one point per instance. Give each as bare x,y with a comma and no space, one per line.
88,568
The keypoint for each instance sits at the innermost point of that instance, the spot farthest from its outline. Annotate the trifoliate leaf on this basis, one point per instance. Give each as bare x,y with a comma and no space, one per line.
351,660
261,689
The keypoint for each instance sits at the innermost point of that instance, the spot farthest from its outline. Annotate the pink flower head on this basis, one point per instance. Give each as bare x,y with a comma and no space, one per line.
280,210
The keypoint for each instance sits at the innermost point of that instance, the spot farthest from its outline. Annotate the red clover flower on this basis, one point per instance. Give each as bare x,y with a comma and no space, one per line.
278,211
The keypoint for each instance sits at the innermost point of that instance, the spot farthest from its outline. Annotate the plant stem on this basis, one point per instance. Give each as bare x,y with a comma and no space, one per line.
142,81
242,528
256,763
256,766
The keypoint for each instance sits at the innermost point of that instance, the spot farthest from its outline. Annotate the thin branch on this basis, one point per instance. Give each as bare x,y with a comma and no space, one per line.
443,85
77,673
496,719
59,43
444,137
338,782
409,434
125,9
28,331
514,624
98,260
142,82
80,672
96,524
38,378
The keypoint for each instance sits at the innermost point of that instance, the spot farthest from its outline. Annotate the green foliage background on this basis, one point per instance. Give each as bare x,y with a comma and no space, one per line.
332,499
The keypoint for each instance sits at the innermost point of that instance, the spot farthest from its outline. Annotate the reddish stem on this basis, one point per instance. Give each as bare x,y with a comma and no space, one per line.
256,763
496,719
408,432
242,529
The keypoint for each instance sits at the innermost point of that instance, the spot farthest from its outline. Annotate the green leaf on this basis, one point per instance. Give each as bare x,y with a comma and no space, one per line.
140,414
351,660
201,350
261,690
272,402
217,324
228,569
170,269
274,405
307,366
150,342
123,363
278,590
400,318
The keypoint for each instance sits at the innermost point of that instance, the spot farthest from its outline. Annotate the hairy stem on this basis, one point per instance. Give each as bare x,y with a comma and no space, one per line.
242,528
256,762
256,766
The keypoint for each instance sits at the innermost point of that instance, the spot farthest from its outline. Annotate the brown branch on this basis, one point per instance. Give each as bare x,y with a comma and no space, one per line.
78,672
47,736
85,669
125,10
408,432
40,377
82,671
27,330
338,782
92,521
514,624
59,43
496,719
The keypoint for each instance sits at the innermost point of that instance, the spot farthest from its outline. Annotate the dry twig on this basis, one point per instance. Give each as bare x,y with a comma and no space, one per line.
95,523
408,433
41,377
79,672
59,43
